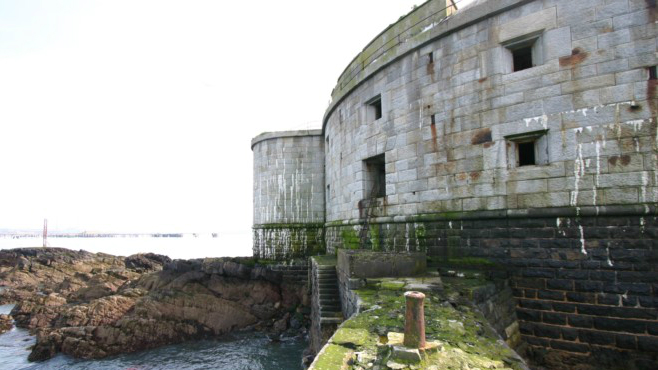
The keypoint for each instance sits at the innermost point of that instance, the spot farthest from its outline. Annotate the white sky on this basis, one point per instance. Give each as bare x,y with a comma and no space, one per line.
137,115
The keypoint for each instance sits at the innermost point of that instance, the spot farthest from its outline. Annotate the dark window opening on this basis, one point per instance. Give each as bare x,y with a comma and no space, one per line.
526,153
328,192
433,116
378,109
375,107
653,74
522,58
375,177
431,55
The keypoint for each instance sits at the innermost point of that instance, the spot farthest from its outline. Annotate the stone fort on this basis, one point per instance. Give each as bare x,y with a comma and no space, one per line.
520,133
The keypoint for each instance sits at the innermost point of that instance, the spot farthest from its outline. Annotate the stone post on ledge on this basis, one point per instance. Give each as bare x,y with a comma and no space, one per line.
414,326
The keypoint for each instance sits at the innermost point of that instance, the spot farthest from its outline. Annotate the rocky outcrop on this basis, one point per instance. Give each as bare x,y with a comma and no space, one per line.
6,323
144,301
146,262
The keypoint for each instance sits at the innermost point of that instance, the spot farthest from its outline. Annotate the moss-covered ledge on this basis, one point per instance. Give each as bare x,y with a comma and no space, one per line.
545,212
465,339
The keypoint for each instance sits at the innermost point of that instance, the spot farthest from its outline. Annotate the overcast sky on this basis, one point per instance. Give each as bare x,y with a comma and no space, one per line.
137,116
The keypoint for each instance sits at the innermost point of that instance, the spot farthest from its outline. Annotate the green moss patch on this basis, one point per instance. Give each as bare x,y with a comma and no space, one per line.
392,285
351,336
332,357
465,339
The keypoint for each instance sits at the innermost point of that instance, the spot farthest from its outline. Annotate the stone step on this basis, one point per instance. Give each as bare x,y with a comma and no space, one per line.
330,320
337,314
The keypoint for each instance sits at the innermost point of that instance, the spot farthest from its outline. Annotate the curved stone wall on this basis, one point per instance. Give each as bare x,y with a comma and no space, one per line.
549,171
454,112
288,194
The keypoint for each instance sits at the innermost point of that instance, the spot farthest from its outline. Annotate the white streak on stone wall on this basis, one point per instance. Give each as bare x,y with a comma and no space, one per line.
543,120
582,240
598,171
578,172
643,188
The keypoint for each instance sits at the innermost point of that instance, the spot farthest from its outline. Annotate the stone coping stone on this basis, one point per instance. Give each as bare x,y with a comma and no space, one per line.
281,134
370,264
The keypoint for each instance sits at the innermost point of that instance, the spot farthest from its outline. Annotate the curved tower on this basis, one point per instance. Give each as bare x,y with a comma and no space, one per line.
288,194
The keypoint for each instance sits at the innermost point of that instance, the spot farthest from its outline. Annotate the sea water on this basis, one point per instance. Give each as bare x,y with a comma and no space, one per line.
240,351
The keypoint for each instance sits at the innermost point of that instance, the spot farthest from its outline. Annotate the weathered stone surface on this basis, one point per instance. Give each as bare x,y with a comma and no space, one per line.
405,354
369,264
574,231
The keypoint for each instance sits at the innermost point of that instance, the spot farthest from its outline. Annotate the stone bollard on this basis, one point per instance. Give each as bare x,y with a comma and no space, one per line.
414,326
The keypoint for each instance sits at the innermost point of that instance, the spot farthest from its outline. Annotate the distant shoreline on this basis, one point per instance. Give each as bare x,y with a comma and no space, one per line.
108,235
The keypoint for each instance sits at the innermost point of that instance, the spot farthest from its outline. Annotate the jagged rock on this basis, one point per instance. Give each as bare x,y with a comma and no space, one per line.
146,262
95,305
6,323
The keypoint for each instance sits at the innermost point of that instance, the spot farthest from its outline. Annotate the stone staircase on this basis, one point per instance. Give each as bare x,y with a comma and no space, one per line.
330,310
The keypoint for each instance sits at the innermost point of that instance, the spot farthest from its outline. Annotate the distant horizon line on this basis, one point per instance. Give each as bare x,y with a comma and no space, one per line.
57,233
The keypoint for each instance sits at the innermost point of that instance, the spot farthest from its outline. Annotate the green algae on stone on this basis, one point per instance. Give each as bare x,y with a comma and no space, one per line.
332,357
466,340
352,336
392,285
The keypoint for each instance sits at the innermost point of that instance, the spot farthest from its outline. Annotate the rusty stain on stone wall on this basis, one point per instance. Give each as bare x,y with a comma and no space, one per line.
577,56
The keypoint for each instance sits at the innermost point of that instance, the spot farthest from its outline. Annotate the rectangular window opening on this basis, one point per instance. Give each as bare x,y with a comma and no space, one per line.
522,58
431,56
528,149
375,177
375,108
653,73
526,153
524,52
433,117
378,109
